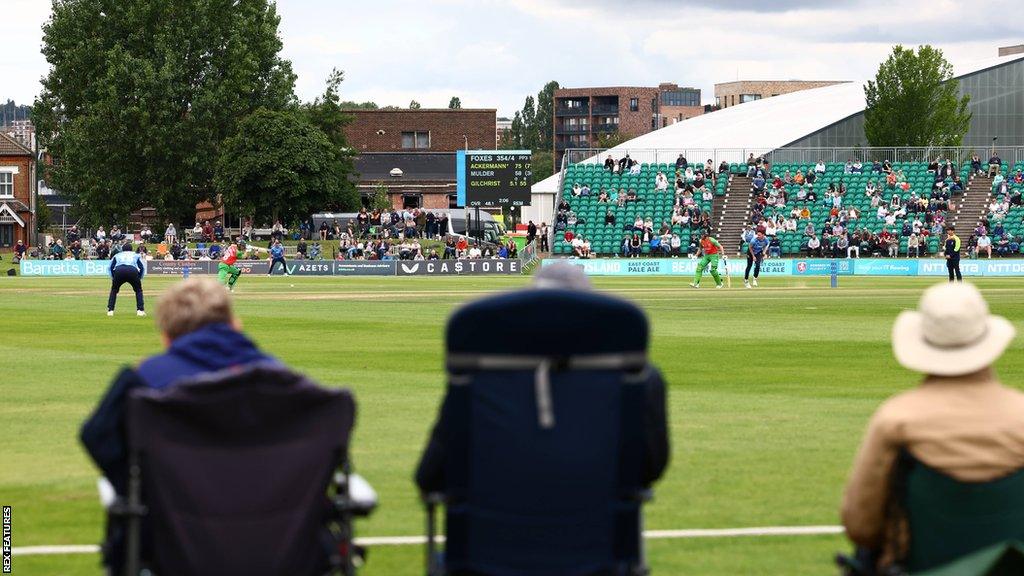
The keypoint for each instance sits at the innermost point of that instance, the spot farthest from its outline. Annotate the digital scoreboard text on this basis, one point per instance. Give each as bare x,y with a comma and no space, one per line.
494,178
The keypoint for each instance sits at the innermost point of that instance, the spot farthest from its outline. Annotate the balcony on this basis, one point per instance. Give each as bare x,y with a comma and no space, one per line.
572,111
573,129
605,128
605,110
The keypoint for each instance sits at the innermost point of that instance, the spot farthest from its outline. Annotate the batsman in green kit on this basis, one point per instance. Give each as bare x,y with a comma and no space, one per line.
712,251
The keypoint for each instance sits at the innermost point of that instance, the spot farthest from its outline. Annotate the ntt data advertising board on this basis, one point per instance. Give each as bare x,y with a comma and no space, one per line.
492,178
799,267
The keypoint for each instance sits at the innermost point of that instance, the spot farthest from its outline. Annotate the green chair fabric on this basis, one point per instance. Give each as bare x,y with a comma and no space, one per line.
950,519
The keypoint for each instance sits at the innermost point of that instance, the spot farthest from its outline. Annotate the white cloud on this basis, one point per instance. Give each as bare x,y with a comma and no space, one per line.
493,53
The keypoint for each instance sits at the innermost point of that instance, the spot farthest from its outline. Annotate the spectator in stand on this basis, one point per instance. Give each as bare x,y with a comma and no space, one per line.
995,164
207,231
218,232
961,421
197,232
751,165
813,246
913,246
19,251
277,231
723,168
976,165
146,234
609,163
984,244
625,164
57,250
681,163
609,218
634,246
661,182
544,234
101,234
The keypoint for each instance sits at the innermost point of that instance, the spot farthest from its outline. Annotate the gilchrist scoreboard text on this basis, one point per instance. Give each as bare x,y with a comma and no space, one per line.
493,178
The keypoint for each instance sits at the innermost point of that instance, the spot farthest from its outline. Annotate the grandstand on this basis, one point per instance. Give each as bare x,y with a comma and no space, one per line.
650,203
795,129
914,178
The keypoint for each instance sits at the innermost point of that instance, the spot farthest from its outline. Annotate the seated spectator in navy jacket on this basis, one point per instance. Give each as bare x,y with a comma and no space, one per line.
201,334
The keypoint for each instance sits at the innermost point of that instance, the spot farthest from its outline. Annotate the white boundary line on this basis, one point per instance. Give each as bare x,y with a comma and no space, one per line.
414,540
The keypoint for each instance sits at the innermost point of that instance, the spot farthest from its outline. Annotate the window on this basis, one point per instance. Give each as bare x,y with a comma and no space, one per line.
6,184
410,201
6,235
453,202
415,140
681,98
634,104
718,101
749,97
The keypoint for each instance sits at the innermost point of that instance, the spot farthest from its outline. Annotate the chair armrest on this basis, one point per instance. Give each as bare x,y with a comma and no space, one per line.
354,495
644,495
107,493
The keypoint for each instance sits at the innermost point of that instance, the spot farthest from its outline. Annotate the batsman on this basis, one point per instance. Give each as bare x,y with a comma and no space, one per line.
711,251
227,272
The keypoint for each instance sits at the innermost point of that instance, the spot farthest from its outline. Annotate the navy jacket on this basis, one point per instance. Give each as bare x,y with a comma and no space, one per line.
209,349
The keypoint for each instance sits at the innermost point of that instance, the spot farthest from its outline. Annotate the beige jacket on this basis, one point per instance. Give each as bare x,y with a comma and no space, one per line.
970,427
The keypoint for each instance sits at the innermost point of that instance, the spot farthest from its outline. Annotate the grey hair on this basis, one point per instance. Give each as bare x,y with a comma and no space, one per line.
562,276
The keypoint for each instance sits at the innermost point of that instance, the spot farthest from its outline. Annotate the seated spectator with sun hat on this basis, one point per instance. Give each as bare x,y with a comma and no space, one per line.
961,420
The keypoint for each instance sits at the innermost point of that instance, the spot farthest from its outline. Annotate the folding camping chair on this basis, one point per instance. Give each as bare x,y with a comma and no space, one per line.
948,519
545,437
240,472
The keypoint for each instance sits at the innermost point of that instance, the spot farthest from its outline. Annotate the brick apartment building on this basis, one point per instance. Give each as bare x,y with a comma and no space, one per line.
17,168
412,152
582,115
733,93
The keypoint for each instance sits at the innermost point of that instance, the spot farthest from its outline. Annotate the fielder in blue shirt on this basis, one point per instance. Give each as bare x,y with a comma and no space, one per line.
277,255
127,267
756,250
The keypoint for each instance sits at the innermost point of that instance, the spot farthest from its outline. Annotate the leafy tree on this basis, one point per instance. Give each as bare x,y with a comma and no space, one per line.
414,105
529,118
512,139
43,215
379,199
544,118
542,165
455,103
913,101
280,165
350,105
140,96
326,113
611,139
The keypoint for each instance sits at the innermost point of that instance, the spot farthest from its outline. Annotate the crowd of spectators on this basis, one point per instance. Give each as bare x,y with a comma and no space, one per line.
693,183
898,211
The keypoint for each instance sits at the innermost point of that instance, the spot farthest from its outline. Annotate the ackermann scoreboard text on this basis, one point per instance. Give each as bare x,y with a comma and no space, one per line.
493,178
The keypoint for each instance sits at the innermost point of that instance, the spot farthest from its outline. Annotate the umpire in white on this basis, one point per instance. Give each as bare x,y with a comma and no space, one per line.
127,267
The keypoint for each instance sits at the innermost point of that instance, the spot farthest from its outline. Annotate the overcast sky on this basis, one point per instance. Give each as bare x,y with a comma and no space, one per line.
492,53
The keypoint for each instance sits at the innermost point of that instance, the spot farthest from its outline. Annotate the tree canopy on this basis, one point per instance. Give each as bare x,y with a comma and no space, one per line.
281,165
533,129
140,96
455,103
914,101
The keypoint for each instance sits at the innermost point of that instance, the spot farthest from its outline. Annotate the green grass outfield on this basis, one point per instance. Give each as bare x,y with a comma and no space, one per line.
770,390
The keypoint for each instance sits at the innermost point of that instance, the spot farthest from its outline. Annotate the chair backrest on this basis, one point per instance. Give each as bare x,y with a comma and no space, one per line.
544,445
235,468
949,519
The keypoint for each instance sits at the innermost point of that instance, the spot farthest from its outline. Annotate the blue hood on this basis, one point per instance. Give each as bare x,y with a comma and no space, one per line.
211,348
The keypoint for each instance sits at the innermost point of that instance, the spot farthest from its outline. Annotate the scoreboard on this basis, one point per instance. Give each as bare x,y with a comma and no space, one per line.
493,178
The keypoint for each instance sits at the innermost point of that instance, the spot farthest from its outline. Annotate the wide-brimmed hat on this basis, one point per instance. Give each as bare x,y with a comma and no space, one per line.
951,333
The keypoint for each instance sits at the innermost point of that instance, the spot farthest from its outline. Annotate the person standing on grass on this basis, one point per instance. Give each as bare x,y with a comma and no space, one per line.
952,253
277,255
127,267
227,272
756,250
712,251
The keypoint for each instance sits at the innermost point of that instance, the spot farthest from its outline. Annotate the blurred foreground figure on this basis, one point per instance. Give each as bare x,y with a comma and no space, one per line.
548,440
938,474
221,460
